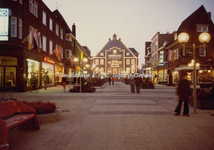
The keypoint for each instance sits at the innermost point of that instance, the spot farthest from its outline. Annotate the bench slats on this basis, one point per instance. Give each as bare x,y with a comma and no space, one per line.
17,120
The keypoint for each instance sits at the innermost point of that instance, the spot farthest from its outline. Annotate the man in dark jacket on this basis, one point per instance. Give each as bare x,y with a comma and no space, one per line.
184,93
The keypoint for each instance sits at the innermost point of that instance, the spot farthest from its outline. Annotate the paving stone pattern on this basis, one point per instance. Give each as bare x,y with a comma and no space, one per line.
113,118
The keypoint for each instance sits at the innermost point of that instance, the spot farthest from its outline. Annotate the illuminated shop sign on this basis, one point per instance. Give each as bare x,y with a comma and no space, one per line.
4,24
46,59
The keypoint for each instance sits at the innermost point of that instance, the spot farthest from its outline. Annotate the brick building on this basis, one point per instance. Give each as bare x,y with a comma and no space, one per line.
39,41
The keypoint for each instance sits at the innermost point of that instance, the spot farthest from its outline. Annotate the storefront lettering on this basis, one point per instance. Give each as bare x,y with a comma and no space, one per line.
46,59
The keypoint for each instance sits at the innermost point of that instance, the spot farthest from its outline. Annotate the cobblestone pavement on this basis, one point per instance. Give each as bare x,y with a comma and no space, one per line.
114,119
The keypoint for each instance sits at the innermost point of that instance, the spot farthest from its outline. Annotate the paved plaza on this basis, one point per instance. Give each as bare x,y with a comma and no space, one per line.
114,119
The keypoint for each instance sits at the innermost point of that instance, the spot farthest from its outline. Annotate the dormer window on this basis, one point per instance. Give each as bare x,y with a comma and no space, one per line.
175,36
202,28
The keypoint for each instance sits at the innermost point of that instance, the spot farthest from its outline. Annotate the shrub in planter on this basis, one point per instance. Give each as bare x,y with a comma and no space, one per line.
42,107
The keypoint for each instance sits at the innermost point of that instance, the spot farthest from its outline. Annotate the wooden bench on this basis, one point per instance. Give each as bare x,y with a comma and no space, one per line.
13,114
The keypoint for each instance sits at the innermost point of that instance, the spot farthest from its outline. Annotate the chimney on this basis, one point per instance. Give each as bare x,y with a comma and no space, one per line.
74,29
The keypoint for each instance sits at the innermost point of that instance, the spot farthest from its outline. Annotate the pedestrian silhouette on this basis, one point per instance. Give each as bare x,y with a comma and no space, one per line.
184,93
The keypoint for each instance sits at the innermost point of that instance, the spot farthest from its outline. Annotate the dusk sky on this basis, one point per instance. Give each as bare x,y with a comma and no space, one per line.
134,21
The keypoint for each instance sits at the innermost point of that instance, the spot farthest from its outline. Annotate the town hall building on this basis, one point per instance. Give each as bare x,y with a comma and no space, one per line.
116,58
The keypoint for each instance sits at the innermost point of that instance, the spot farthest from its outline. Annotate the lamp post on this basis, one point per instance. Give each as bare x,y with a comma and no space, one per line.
203,38
76,60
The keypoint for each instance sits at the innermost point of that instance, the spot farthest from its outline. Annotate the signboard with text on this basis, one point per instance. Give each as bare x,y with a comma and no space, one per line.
4,24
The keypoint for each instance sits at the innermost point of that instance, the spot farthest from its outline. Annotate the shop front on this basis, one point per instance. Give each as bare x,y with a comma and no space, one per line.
59,71
33,74
48,67
162,76
8,73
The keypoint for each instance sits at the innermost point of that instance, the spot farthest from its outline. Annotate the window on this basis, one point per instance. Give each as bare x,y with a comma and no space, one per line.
101,61
51,47
68,38
13,26
127,61
61,34
51,24
133,61
33,7
127,54
175,54
101,70
20,28
96,61
175,36
202,28
44,43
44,18
156,44
57,29
68,53
101,54
202,51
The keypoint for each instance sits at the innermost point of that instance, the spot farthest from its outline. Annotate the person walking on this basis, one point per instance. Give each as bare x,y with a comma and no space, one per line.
113,79
184,93
137,83
45,79
109,80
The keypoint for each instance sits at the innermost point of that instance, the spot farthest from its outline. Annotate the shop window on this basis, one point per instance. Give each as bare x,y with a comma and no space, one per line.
205,76
58,72
20,28
13,26
49,68
10,76
33,7
32,72
175,76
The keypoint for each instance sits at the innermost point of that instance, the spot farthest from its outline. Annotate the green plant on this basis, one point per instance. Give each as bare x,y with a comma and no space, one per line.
42,107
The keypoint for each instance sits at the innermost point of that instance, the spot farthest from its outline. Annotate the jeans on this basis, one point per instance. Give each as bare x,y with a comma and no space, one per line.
186,107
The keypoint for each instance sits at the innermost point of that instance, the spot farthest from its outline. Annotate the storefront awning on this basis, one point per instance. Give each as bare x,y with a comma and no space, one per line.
185,68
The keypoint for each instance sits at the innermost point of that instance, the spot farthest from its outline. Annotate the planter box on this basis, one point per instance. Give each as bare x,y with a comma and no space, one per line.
205,104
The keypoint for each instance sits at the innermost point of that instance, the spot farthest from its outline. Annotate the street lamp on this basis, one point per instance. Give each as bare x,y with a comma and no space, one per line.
203,38
76,60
